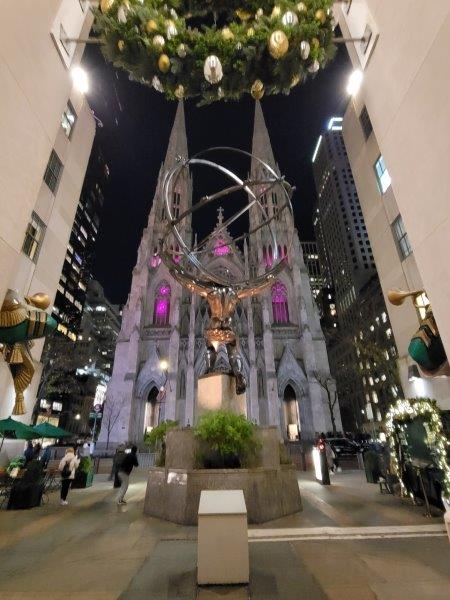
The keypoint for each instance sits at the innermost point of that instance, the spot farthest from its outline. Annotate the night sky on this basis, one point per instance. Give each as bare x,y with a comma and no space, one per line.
136,127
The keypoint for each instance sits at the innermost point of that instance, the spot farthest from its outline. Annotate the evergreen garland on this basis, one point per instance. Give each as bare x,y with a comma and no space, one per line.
187,32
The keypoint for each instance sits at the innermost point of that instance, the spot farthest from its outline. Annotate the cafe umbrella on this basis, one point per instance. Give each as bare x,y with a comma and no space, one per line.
11,429
47,430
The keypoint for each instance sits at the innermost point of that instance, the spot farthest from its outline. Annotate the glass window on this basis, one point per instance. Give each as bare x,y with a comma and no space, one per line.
401,238
366,123
280,307
33,237
53,171
161,309
68,119
382,174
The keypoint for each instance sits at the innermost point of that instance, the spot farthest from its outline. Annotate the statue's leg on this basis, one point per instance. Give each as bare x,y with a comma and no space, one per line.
211,356
236,365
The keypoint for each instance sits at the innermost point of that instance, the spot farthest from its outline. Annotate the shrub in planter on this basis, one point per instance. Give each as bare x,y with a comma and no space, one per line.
84,474
156,440
229,440
18,462
27,491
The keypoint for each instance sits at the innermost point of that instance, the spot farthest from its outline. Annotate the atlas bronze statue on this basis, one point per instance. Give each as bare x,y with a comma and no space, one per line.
222,294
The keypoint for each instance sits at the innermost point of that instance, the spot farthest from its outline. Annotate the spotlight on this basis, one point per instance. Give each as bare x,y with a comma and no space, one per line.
354,82
80,79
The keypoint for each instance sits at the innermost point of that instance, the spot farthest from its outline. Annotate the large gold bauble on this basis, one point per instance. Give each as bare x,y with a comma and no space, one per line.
151,26
179,92
121,45
159,42
106,5
164,63
257,89
321,15
278,44
227,34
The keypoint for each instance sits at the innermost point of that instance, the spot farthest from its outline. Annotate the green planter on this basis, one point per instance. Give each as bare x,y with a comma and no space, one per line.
83,479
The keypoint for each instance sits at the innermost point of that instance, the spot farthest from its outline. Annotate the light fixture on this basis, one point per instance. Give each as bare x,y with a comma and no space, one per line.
413,373
77,417
80,79
354,82
163,365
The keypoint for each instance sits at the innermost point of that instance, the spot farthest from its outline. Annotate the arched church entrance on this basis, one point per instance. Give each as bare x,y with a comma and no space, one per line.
291,414
152,410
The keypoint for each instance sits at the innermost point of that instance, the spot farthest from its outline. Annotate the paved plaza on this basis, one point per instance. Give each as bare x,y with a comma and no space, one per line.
350,542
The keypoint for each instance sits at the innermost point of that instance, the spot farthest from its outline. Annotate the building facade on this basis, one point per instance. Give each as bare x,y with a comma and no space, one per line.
396,131
46,134
361,346
280,338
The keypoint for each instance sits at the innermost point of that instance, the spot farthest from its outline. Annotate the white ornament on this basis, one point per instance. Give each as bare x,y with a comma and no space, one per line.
181,51
314,67
157,84
212,69
173,13
171,31
289,19
305,49
122,14
159,41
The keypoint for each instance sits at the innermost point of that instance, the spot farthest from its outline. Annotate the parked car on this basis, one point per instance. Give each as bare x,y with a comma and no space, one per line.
343,446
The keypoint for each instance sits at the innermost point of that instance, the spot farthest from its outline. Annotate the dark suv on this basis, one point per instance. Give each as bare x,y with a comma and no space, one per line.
343,446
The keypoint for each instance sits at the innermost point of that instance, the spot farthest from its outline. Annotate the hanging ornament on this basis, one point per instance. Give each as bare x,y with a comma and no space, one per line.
179,92
243,14
276,12
295,80
250,32
122,13
239,46
278,44
182,51
159,42
156,83
314,67
105,5
227,34
321,16
171,30
305,49
151,26
315,42
289,19
212,69
173,13
257,90
164,63
259,13
220,93
121,45
301,7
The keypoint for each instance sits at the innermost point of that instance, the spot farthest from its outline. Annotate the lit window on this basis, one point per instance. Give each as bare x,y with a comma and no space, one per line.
384,317
382,174
53,172
401,238
68,119
161,310
221,248
33,237
280,307
422,303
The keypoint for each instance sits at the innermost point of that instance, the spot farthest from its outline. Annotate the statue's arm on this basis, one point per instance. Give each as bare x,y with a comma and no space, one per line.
190,283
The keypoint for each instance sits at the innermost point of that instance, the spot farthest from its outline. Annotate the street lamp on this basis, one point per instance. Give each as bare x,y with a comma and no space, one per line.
77,417
80,79
354,82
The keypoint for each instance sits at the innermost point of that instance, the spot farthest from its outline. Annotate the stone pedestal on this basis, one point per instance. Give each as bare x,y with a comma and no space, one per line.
217,391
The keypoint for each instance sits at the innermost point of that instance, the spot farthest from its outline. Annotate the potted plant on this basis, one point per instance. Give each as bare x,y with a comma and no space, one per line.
27,491
84,475
229,440
156,440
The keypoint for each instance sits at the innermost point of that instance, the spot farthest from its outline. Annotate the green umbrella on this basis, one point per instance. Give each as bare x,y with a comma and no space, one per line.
15,430
47,430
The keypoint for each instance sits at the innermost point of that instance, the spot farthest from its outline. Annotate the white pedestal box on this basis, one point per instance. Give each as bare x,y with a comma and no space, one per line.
222,555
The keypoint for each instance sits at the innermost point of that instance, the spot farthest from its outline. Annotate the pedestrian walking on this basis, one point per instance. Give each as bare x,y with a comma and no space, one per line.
126,466
67,466
29,452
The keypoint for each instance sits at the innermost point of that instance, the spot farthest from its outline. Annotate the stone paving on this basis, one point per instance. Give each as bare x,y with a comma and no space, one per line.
92,549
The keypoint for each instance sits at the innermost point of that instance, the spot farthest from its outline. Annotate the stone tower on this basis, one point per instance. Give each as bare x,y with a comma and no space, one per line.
280,338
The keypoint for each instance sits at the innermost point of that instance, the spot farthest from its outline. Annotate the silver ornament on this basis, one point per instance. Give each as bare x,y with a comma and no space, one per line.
314,67
212,69
171,31
157,84
122,14
239,46
182,51
159,41
305,49
289,19
173,13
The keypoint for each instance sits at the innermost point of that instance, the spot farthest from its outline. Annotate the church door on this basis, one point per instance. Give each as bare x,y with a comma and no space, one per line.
152,407
291,416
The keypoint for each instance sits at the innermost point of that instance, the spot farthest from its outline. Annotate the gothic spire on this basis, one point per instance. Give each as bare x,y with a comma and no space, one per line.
178,140
261,146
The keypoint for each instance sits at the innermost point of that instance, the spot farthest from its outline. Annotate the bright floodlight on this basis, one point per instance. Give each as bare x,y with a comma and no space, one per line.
354,82
163,365
80,79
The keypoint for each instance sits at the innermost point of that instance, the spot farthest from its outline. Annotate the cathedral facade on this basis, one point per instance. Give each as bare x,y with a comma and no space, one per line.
160,352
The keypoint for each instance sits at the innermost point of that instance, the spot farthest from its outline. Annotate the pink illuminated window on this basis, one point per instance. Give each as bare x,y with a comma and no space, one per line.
220,248
155,260
161,309
176,257
280,307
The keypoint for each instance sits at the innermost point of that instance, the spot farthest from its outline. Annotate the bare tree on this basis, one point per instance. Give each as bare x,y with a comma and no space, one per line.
328,384
111,412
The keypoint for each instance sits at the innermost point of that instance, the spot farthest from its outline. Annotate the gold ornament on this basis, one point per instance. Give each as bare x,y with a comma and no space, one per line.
121,45
278,44
295,80
151,26
315,42
179,92
321,15
182,51
243,14
257,89
212,69
289,19
158,42
301,7
227,34
276,12
250,32
105,5
164,63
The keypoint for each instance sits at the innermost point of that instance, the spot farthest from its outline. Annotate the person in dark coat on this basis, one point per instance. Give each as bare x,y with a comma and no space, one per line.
126,466
29,452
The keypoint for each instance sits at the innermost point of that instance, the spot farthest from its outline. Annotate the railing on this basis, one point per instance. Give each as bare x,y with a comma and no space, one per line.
146,459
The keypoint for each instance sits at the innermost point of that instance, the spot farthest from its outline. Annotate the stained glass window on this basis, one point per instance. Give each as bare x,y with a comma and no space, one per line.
280,307
221,248
161,309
